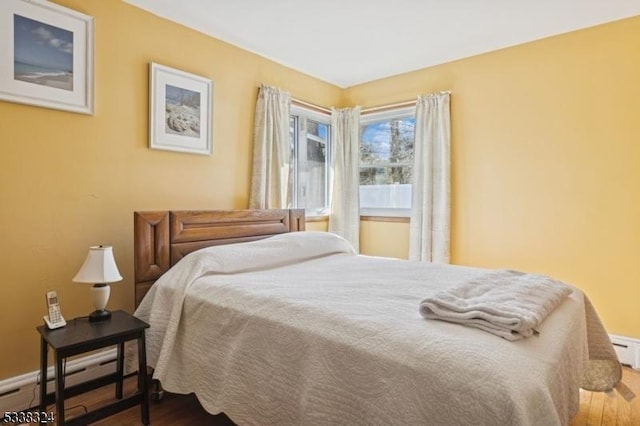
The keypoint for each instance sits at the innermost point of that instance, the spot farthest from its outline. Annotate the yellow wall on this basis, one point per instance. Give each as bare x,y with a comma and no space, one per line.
386,238
69,181
545,160
377,238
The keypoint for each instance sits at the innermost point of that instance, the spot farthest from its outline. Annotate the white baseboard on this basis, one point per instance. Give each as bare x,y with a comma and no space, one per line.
628,350
22,392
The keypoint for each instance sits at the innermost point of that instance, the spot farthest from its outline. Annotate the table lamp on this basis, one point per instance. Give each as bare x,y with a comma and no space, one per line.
99,269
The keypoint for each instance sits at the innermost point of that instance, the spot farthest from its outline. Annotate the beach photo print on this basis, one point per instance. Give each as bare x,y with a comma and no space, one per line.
46,56
42,53
180,106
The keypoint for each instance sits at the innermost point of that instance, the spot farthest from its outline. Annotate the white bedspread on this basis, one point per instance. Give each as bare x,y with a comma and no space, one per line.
299,330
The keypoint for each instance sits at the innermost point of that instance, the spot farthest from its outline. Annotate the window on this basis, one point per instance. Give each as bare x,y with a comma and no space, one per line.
311,152
386,162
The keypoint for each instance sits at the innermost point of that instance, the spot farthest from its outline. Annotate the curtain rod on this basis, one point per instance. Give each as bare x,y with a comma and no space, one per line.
311,106
319,108
380,108
401,104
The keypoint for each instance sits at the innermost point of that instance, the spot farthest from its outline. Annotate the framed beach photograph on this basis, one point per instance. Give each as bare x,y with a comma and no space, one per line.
46,55
181,111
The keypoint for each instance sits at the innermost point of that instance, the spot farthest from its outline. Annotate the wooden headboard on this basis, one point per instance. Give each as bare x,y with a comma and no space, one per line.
162,238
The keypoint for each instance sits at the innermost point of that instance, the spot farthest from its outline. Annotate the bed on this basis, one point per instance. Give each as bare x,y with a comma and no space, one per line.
275,326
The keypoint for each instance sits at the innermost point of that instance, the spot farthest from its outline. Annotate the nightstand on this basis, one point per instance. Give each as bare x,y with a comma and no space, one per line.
80,336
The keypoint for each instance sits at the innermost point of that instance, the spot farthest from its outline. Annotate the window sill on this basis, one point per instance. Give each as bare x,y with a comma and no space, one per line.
385,212
367,218
395,219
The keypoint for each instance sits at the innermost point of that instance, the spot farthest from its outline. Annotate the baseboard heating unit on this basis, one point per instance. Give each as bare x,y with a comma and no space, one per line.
628,350
22,392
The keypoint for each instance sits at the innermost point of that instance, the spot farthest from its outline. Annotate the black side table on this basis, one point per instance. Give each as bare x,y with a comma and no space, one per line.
79,336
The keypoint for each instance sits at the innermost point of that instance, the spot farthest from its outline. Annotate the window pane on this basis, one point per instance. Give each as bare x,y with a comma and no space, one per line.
389,141
292,134
386,162
312,167
396,196
310,134
317,130
293,141
385,175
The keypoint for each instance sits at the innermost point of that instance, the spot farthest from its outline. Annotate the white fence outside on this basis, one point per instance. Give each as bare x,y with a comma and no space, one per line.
396,196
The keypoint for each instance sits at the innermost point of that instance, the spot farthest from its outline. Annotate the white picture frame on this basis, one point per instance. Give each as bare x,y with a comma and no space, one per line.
181,111
46,56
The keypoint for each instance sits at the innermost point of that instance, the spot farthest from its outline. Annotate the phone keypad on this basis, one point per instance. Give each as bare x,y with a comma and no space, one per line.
54,315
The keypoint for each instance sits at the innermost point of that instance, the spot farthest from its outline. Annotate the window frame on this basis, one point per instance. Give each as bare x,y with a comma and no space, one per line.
377,116
301,115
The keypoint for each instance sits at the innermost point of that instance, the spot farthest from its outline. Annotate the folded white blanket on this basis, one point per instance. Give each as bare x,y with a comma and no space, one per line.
509,304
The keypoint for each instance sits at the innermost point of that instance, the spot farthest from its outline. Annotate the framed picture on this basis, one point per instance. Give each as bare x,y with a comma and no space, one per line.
180,111
46,55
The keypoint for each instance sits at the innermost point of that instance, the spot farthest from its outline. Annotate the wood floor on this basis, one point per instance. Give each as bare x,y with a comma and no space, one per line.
620,407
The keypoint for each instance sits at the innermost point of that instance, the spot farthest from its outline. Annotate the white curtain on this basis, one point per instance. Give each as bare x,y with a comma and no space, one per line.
270,187
430,212
344,219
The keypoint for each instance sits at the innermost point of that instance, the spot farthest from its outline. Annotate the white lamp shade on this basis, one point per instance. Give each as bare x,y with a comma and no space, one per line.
98,267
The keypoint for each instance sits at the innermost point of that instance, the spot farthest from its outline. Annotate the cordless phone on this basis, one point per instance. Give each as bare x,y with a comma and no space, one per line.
54,319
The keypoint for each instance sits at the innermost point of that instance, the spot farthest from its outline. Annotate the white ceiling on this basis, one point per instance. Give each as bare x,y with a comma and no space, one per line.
348,42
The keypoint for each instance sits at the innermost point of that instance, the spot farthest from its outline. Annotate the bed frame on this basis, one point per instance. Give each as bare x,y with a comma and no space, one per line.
162,238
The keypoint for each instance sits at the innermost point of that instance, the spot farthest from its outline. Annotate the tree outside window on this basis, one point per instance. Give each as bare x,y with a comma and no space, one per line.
386,161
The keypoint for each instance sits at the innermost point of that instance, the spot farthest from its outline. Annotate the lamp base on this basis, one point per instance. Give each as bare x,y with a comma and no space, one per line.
99,315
